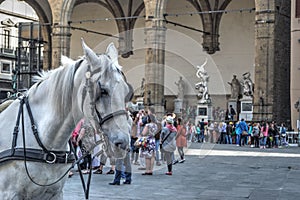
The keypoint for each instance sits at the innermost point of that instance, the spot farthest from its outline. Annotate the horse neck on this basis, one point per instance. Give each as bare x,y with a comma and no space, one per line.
54,128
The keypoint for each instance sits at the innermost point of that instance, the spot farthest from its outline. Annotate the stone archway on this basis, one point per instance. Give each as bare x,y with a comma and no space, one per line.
125,27
211,22
44,12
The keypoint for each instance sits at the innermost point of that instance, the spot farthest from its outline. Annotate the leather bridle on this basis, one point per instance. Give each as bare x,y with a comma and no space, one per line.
89,89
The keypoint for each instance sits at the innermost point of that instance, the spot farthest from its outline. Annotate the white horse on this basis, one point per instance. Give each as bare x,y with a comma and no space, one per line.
40,123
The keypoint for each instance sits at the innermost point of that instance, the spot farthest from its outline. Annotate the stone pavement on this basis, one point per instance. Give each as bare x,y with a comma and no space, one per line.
211,171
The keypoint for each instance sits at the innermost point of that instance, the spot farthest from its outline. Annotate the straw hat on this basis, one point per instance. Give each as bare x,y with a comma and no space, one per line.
169,120
173,115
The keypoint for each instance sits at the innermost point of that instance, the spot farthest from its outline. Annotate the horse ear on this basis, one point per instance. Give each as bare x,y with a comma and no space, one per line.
112,52
89,54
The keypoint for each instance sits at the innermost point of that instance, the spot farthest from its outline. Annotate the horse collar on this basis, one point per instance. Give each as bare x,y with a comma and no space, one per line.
39,155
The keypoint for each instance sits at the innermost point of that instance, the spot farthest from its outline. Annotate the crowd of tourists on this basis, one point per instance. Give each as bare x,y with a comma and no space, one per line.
262,134
153,142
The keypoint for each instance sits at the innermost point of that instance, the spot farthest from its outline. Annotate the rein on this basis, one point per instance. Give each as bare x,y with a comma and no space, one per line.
31,154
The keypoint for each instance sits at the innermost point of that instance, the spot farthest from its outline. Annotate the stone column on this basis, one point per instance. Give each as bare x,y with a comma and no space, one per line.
295,63
272,61
61,37
61,11
155,55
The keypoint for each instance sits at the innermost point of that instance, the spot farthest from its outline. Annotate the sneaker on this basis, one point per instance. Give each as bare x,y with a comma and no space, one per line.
182,161
70,174
252,146
169,173
98,171
127,182
175,162
110,172
136,163
158,164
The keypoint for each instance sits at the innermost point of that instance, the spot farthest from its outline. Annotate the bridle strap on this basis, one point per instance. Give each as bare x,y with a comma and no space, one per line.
88,89
110,116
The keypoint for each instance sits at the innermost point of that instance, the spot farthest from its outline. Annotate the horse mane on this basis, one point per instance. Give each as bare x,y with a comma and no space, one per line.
60,81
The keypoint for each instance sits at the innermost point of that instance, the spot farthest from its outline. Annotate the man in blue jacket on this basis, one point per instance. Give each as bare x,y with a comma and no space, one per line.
240,127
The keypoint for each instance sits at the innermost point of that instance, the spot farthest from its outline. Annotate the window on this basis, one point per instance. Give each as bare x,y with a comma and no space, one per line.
297,7
5,68
6,42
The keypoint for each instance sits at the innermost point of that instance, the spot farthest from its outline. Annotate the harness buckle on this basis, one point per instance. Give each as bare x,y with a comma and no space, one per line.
66,158
53,155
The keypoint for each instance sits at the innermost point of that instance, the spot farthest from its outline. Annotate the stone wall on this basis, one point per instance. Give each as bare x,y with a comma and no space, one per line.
272,61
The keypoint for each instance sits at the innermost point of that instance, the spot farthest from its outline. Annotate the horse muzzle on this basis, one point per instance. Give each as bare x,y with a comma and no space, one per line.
117,147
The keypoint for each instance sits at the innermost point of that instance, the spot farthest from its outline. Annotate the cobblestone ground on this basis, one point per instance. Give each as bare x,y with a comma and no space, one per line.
211,171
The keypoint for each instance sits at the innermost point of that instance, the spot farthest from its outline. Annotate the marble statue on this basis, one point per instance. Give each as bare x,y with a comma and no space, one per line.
201,86
180,85
142,87
247,85
235,87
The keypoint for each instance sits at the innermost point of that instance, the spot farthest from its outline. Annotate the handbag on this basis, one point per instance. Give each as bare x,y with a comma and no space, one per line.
244,133
141,142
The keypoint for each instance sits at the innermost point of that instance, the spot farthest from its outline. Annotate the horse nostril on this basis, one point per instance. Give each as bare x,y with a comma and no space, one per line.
118,144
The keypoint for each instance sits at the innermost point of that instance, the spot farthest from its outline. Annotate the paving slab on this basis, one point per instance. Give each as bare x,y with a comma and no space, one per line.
211,171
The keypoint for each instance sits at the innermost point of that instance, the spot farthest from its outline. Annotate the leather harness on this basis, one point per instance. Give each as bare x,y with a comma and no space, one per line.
36,155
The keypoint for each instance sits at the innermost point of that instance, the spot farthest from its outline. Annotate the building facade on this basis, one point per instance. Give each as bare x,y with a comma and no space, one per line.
162,40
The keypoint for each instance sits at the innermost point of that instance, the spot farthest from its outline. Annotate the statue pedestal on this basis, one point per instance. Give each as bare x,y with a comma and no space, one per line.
204,111
140,103
246,112
178,103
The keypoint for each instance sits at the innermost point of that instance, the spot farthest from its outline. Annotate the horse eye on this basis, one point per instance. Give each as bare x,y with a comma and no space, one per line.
103,92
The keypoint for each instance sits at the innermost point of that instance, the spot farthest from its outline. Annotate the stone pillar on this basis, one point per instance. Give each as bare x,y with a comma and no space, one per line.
295,63
61,37
155,54
272,61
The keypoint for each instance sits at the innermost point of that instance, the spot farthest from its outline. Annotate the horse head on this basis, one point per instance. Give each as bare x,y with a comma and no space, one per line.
103,94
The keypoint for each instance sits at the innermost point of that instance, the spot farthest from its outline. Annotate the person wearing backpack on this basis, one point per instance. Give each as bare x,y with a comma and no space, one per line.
256,134
168,135
282,131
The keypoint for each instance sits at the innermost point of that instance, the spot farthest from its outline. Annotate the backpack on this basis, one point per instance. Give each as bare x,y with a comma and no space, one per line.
283,131
198,131
255,131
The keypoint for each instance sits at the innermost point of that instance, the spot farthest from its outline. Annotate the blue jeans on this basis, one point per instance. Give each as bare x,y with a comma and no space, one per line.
157,146
238,139
264,141
123,166
228,139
